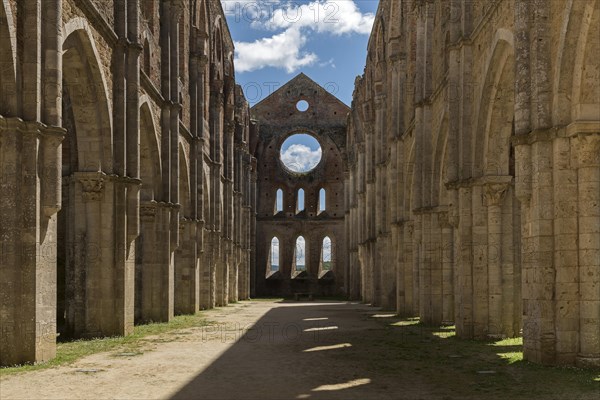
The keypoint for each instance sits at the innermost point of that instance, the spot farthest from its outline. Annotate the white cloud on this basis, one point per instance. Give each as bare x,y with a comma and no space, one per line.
300,158
280,51
250,10
300,252
335,17
285,49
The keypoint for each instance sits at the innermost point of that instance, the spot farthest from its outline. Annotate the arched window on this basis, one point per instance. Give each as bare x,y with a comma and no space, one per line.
446,53
146,59
274,255
322,200
300,201
327,255
279,201
300,254
147,8
182,46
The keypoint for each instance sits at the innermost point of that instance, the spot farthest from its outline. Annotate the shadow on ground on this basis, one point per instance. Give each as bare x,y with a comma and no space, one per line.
342,350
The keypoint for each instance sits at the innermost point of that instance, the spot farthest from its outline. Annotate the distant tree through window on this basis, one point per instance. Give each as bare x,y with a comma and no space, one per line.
327,259
300,254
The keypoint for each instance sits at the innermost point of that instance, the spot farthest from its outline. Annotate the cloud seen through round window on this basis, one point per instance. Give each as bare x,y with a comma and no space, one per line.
301,153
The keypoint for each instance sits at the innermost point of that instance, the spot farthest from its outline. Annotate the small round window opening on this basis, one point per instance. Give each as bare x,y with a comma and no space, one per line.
302,105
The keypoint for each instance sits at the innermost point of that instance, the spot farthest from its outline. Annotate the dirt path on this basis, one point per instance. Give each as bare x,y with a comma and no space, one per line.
225,361
318,350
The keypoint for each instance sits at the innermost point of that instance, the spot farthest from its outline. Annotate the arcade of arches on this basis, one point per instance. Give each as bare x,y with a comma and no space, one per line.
462,186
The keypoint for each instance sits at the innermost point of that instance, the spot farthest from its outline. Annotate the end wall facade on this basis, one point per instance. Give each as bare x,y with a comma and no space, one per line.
278,118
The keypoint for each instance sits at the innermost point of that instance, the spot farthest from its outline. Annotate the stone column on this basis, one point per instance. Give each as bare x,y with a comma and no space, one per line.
479,247
464,289
589,247
447,261
186,286
494,195
155,268
28,241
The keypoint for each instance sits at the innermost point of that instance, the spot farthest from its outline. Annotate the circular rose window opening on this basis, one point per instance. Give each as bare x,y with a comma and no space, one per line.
300,153
302,105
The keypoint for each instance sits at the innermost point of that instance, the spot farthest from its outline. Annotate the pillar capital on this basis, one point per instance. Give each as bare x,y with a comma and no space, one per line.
495,193
92,185
446,220
588,149
148,211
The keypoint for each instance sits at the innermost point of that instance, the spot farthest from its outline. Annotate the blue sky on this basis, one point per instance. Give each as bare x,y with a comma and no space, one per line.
277,39
301,153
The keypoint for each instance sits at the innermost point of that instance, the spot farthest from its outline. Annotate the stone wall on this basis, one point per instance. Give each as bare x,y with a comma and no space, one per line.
325,119
126,188
475,166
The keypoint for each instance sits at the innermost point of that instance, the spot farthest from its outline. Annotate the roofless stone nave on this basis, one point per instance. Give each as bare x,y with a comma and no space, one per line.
471,164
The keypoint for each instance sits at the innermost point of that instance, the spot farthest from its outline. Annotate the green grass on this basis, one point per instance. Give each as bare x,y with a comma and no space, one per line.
68,352
457,368
267,299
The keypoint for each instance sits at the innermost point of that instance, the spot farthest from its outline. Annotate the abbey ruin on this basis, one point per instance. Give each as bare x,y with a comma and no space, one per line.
461,187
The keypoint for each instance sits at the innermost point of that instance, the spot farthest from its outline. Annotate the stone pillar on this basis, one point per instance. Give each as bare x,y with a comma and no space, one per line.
447,261
494,195
588,171
99,296
28,209
464,288
479,247
415,265
425,265
156,289
186,286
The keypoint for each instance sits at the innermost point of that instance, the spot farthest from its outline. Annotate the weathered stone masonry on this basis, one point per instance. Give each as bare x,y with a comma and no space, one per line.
135,186
474,151
277,118
126,178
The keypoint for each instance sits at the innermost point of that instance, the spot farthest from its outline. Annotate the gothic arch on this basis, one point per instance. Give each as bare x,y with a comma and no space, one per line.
395,20
491,150
410,181
217,55
201,16
184,183
574,35
8,85
205,197
150,166
586,92
439,161
85,87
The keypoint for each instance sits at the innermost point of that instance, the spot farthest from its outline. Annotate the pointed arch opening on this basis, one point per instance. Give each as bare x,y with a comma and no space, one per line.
278,201
274,256
8,83
86,156
146,57
327,259
184,184
300,201
150,169
300,255
322,200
